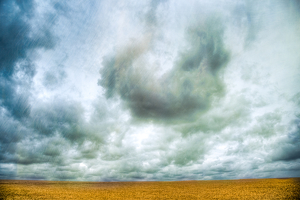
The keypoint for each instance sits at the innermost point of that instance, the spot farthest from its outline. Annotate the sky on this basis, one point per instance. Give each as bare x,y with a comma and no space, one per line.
154,90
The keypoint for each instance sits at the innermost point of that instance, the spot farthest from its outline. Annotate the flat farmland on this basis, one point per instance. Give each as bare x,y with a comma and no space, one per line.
214,189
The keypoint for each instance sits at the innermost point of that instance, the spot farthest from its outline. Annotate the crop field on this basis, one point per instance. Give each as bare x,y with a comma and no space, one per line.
217,189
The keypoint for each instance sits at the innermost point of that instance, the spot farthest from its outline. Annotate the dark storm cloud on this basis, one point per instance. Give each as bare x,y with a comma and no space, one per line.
16,146
16,103
206,46
12,132
18,40
52,128
188,88
64,118
20,36
55,127
17,37
289,149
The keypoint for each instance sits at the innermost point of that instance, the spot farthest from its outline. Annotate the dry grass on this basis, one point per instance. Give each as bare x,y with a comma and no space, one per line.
223,189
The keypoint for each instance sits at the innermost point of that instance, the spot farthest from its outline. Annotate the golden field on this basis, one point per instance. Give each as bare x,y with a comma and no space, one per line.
216,189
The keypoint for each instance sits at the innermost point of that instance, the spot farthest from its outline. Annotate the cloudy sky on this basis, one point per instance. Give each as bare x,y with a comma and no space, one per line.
158,90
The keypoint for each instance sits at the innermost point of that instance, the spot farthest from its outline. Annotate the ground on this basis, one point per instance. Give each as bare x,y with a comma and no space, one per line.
288,188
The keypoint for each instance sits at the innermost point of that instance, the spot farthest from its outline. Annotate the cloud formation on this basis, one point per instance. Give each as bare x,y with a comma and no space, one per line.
151,90
189,87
